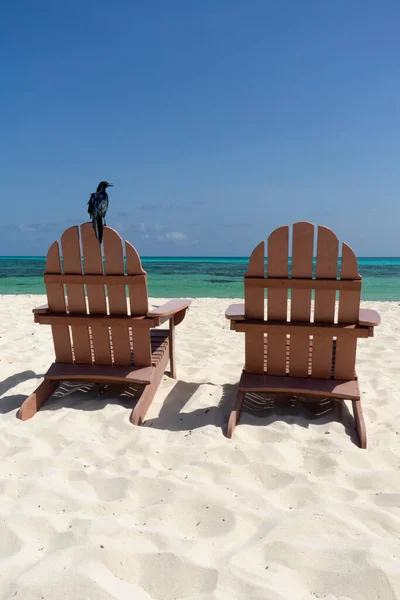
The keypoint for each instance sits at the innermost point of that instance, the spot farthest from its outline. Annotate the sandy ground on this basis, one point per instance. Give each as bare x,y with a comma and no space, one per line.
92,507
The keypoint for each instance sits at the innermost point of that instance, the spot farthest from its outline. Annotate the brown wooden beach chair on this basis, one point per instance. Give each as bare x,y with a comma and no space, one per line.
98,335
303,349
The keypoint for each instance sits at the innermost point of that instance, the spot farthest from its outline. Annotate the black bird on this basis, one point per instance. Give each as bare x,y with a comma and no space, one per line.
97,208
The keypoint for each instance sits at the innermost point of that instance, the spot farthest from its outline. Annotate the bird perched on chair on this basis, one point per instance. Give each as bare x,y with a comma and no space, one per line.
97,208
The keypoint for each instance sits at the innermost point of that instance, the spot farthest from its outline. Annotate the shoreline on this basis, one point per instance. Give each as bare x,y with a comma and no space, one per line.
227,299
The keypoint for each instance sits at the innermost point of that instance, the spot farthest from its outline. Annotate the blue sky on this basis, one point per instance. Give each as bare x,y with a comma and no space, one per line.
217,121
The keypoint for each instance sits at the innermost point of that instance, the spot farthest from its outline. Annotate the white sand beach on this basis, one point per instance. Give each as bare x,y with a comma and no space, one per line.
92,507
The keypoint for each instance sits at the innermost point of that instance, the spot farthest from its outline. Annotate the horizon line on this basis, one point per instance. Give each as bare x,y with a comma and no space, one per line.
199,256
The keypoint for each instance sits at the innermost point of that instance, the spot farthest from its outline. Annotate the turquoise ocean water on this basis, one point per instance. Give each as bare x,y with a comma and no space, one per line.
214,277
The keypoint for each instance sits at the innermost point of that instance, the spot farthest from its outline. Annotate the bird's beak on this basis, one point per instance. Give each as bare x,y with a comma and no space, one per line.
110,185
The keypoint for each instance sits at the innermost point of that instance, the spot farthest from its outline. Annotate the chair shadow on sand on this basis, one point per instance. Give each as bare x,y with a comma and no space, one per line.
299,410
266,408
10,403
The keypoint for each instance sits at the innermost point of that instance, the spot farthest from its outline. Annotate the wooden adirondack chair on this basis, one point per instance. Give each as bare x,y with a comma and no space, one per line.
97,337
301,349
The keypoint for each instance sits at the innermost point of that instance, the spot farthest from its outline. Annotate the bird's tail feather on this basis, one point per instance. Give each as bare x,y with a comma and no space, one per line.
98,227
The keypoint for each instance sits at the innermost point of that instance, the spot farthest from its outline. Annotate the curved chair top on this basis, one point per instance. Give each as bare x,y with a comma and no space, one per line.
84,237
326,251
101,273
301,280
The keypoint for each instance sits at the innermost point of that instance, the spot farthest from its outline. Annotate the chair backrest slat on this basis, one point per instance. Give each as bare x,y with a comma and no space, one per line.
278,255
138,296
254,309
56,303
139,305
93,265
326,268
349,300
324,305
300,305
117,299
76,298
302,263
349,308
254,299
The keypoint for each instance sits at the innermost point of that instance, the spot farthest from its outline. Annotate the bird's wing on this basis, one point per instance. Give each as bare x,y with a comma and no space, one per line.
104,206
90,204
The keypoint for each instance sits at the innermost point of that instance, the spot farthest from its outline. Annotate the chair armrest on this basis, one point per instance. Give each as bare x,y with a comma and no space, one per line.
40,310
170,308
368,317
235,312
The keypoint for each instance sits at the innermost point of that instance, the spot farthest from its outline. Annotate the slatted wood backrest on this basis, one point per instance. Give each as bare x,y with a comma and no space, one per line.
302,355
93,344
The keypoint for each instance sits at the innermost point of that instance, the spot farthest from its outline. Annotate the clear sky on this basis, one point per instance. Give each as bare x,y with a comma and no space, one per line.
216,120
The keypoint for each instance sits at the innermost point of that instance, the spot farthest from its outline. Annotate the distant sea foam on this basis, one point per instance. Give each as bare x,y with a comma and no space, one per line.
214,277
